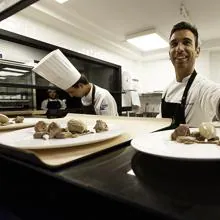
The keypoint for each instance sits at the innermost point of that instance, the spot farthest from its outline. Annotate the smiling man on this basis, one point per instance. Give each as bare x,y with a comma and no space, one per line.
190,98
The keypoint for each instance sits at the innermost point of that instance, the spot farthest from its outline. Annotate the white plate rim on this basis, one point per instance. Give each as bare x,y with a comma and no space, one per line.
5,139
156,138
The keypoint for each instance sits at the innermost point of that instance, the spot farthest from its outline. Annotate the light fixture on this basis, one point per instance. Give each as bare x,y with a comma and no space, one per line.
147,40
61,1
184,12
15,70
4,73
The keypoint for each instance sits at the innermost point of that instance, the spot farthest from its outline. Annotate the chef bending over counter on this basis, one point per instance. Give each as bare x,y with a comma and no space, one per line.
57,69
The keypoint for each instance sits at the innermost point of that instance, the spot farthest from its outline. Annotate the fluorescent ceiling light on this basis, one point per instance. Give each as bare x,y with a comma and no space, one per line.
3,73
61,1
147,40
17,70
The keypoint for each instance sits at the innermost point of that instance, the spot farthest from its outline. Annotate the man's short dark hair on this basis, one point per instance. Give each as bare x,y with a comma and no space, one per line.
186,26
82,80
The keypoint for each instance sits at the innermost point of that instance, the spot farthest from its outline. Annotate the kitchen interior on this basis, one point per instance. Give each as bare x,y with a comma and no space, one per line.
94,35
96,45
23,90
97,42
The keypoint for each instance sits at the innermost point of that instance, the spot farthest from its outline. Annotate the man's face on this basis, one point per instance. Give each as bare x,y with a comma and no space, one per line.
183,51
76,92
52,94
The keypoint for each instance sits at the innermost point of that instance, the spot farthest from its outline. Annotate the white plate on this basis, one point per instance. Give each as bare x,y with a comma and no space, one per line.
160,144
28,122
23,139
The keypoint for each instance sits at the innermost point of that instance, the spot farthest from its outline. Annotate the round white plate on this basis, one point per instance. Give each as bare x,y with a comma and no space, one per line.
160,144
23,139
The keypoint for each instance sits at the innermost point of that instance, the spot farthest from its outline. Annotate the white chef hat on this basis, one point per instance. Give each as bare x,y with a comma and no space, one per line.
53,88
57,69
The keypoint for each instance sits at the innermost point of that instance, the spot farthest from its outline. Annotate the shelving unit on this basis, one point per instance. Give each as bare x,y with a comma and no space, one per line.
16,86
22,89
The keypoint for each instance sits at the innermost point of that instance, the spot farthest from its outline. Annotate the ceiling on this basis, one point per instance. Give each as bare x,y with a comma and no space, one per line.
107,22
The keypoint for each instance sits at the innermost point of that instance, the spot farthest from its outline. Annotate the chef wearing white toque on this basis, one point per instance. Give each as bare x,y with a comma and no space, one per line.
57,69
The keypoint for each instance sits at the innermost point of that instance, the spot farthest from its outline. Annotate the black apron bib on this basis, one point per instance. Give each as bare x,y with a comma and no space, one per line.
53,108
176,111
90,109
53,105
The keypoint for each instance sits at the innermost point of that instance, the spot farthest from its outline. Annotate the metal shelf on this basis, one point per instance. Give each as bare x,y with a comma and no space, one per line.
14,64
14,100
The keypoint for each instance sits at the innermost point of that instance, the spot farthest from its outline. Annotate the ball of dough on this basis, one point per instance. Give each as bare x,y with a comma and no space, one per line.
53,129
3,119
40,126
100,126
76,126
207,130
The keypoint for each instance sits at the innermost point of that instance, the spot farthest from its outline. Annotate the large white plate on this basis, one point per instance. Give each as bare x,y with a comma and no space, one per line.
23,139
159,143
28,122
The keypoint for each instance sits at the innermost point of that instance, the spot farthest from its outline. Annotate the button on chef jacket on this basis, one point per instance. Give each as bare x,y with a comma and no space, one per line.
202,102
104,102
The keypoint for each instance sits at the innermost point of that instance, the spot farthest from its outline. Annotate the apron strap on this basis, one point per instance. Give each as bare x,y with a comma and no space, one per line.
188,85
93,95
179,112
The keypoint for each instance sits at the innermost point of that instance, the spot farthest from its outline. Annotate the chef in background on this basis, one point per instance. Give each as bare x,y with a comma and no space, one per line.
57,69
52,102
190,98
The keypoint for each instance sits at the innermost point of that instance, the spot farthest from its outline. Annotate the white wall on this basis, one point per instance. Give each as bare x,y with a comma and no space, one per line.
18,52
156,75
203,63
42,32
215,66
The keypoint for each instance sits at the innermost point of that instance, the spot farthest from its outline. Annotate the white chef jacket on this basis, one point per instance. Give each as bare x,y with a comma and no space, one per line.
45,102
104,102
202,102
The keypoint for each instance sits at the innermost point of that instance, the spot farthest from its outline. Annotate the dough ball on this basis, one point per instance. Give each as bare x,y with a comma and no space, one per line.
40,126
207,130
76,126
100,126
3,119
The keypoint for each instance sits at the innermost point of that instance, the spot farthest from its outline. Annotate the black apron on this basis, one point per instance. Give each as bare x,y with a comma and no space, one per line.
53,108
53,105
90,109
176,111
